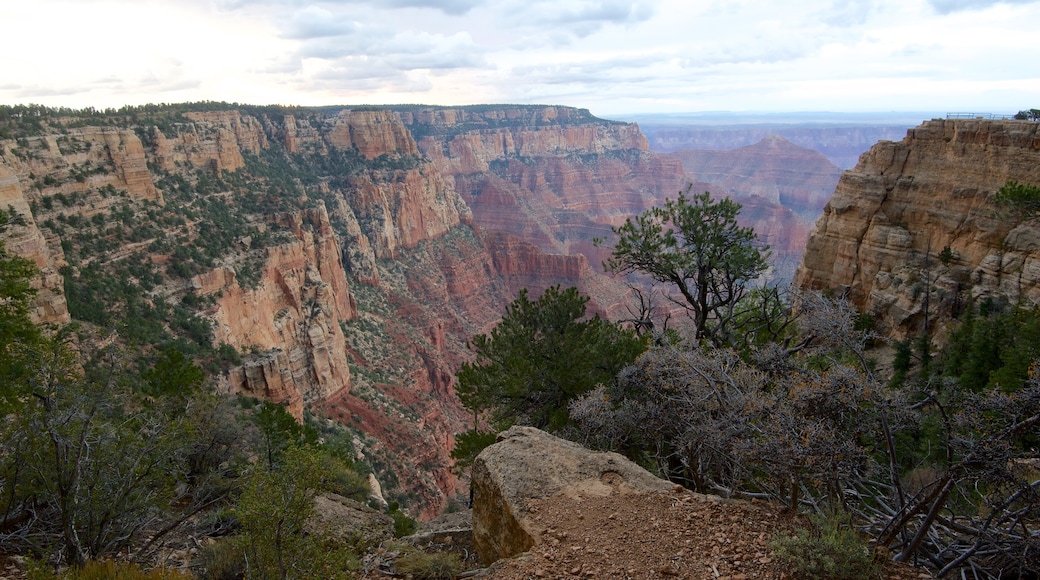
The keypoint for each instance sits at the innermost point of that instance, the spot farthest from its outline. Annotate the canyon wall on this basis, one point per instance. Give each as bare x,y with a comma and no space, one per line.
882,236
292,317
841,144
781,186
345,256
544,183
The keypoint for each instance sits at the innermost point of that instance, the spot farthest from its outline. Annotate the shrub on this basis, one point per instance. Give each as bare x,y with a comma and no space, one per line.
403,525
106,570
423,566
829,549
224,560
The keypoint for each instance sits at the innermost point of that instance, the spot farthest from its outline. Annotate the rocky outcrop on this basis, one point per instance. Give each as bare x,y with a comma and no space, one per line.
292,317
26,241
543,183
414,205
527,464
372,133
83,172
881,235
215,140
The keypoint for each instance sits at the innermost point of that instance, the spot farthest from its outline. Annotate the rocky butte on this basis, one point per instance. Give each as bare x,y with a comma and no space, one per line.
882,235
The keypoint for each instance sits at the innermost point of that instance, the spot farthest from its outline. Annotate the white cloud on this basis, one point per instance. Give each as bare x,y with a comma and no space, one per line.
607,55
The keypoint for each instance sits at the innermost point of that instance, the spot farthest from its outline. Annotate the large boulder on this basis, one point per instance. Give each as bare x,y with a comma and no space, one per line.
528,464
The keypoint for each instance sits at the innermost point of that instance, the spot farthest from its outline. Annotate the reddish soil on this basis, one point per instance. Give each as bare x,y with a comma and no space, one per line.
654,536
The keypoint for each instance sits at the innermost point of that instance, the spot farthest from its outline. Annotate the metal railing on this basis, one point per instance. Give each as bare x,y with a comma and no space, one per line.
981,116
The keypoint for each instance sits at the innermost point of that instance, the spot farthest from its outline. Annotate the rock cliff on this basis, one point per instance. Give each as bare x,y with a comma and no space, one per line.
27,241
292,316
84,172
881,235
271,219
783,188
545,182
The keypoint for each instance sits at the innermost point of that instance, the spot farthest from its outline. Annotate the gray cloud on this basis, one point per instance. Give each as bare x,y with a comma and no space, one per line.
450,7
576,19
949,6
600,72
316,23
397,50
369,77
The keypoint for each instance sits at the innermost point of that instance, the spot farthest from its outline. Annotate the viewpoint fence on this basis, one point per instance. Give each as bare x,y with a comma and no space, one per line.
981,116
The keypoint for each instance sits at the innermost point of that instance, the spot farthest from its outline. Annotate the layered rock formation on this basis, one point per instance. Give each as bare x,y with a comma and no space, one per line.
49,306
544,182
881,235
782,187
293,316
82,172
841,144
215,141
774,169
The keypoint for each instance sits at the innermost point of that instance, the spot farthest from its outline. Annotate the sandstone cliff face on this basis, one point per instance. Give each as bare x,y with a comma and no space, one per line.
293,317
880,235
372,133
27,241
413,206
215,141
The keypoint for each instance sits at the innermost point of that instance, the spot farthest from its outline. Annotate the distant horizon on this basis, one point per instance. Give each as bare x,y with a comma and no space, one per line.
689,117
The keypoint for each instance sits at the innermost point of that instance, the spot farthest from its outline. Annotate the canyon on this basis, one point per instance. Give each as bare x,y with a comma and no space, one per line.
346,256
912,233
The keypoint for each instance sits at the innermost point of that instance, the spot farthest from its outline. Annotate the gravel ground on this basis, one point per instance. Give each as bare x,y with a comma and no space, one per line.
678,535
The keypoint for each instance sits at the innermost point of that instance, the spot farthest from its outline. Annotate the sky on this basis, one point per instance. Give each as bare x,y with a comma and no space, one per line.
613,57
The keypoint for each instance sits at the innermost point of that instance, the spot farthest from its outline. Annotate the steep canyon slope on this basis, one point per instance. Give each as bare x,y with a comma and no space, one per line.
912,230
307,258
335,260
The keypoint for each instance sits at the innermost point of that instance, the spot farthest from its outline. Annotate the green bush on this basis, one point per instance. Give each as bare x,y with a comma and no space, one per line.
105,570
403,525
224,560
830,549
423,566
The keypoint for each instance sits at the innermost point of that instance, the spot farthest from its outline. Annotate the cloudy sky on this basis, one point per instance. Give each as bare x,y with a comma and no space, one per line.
611,56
